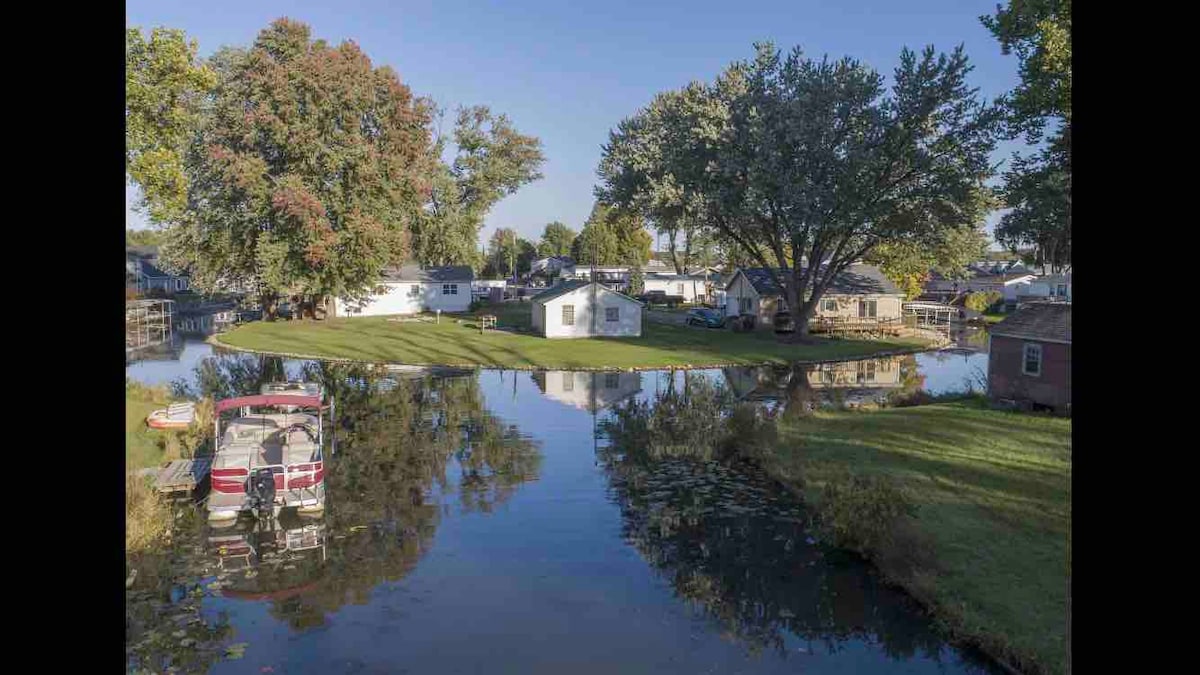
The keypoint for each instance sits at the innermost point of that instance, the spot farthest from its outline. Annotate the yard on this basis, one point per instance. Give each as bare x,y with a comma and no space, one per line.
457,341
993,492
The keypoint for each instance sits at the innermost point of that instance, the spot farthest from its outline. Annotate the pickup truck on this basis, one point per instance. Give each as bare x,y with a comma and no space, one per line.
660,298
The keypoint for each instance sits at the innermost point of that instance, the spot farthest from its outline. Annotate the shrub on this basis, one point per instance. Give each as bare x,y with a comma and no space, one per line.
982,300
749,432
862,512
147,517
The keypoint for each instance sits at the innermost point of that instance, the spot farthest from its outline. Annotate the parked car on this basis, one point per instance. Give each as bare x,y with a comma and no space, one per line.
709,318
660,298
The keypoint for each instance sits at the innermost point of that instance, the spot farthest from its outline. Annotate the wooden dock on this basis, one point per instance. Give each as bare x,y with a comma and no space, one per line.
182,475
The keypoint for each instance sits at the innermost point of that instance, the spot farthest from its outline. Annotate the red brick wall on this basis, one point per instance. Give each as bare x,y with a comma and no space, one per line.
1005,379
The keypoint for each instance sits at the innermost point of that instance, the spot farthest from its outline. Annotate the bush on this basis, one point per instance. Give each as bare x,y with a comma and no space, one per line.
982,300
147,517
749,432
862,512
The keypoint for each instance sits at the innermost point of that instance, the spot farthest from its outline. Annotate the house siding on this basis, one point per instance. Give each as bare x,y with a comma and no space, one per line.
692,288
1007,380
740,288
396,299
547,316
886,306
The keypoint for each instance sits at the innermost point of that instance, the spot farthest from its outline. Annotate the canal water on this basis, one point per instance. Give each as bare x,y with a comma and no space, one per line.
507,521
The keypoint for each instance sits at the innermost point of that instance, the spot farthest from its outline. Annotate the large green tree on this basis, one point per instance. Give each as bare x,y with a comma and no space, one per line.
612,236
908,264
308,172
165,87
492,160
814,161
556,239
1037,187
508,254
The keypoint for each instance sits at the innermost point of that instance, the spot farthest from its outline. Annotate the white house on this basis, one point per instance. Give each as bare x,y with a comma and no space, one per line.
591,391
613,276
1046,287
552,266
411,290
692,287
579,308
482,288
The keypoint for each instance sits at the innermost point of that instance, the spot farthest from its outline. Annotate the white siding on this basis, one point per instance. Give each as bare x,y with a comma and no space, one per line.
548,316
691,288
740,288
398,298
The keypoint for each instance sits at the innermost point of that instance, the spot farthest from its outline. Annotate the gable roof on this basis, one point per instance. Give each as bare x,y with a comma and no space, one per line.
571,286
1046,321
446,273
854,280
151,272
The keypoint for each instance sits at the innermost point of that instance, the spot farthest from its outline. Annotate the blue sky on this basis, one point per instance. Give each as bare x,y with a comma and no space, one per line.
567,72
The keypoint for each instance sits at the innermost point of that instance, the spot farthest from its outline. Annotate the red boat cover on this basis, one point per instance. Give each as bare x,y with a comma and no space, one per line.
268,399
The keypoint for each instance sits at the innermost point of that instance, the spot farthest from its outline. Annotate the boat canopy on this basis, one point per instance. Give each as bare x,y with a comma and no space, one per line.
268,399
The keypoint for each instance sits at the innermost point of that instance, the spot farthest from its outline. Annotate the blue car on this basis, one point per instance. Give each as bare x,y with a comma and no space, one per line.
709,318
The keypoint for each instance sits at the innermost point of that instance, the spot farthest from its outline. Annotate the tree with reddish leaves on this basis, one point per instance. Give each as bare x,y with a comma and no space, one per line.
306,172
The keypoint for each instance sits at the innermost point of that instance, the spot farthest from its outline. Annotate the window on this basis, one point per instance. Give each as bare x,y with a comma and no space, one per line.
568,315
414,291
568,381
866,371
180,284
612,380
1062,291
612,313
1032,363
866,308
449,289
744,305
831,305
680,289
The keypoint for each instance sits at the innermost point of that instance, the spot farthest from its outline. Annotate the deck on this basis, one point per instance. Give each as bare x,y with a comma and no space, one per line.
182,475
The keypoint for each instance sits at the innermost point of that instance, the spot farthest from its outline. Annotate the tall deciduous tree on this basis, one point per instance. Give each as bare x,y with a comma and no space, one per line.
165,84
612,236
307,174
1038,188
508,254
492,160
908,264
794,159
556,239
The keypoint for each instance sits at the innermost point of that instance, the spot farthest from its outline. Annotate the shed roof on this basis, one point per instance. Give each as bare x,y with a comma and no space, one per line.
1048,321
572,286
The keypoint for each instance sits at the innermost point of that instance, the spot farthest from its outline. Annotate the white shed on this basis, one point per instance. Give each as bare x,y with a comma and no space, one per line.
575,309
412,290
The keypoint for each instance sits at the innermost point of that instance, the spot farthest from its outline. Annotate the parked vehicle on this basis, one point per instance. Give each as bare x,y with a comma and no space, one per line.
660,298
784,323
269,460
709,318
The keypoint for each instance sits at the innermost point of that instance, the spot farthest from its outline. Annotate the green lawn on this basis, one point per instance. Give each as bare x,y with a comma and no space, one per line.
375,339
144,447
994,498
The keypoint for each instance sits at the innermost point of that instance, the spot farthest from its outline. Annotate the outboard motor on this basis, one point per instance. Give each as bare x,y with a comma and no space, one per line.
261,489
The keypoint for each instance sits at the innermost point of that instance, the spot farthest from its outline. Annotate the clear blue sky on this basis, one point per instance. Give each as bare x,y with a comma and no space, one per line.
567,72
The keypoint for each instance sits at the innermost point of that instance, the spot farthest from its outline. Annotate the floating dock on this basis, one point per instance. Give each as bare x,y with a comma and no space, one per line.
182,475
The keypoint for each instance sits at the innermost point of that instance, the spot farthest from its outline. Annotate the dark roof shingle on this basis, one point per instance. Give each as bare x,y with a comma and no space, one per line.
1050,321
854,280
447,273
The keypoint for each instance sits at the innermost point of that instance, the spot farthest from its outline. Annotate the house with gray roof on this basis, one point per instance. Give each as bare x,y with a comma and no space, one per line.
1029,356
580,308
412,289
860,291
143,274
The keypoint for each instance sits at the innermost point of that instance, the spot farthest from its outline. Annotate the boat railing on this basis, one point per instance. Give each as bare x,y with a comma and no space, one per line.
287,477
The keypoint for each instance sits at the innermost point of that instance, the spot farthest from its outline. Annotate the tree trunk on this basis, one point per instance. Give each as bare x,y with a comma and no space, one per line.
270,304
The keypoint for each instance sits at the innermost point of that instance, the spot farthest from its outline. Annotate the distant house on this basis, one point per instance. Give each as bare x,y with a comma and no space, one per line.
1006,279
692,287
591,391
482,288
1052,287
1030,356
577,308
860,291
143,274
613,277
410,290
552,266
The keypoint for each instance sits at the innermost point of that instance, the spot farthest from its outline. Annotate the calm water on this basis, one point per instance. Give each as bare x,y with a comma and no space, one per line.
489,521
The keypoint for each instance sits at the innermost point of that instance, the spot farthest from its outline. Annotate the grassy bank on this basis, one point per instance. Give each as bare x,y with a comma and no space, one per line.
988,544
144,447
451,343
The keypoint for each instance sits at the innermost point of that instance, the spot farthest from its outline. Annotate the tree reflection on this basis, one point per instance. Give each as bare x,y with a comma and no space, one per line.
400,438
734,543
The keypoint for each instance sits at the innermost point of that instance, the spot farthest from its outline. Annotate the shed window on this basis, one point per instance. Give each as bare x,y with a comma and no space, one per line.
568,315
680,287
866,308
744,305
1062,290
414,291
1032,363
831,305
568,381
612,313
612,380
449,289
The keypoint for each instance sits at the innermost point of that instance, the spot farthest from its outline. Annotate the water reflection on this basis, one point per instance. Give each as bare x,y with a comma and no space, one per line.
591,391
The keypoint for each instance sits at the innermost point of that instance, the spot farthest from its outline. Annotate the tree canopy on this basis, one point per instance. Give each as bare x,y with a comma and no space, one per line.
508,254
1038,188
612,236
796,160
556,240
165,84
492,160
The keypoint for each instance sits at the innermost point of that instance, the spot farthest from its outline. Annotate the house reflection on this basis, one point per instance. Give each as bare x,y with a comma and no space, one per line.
591,391
846,382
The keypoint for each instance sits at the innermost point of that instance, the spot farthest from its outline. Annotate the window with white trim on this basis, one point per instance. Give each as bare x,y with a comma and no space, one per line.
414,291
568,318
612,380
612,313
867,308
568,381
449,289
744,305
830,305
1031,363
